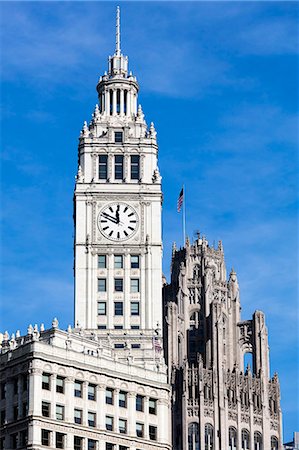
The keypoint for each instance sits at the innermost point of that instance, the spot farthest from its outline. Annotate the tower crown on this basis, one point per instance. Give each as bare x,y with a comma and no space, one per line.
118,89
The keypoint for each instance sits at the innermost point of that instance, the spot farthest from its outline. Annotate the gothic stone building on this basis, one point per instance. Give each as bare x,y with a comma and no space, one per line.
104,384
217,403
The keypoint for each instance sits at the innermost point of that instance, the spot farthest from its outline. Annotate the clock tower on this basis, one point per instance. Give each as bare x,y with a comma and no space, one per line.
117,213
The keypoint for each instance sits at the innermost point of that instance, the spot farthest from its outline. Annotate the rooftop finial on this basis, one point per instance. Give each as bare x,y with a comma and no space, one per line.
117,48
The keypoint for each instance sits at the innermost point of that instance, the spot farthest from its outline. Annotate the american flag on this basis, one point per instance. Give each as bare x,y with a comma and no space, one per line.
180,200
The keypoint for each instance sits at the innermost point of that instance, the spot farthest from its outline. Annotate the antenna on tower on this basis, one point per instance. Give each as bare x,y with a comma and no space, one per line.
117,47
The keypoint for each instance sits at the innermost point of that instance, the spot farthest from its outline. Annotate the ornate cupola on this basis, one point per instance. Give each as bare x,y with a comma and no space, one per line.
118,90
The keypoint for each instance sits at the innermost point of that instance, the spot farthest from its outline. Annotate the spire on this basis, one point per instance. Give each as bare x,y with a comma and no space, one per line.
117,46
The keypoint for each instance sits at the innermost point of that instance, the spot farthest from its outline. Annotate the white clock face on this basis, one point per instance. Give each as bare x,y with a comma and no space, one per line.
118,221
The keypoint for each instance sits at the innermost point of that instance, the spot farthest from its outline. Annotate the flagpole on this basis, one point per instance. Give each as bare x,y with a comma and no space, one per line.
184,216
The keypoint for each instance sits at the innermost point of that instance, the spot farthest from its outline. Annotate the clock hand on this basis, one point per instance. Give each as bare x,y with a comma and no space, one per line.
117,214
107,216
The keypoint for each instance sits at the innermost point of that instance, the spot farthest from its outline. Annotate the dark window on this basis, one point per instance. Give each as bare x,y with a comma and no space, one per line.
139,402
118,135
78,443
118,327
102,262
78,416
46,381
59,440
25,382
118,284
2,417
152,406
109,423
101,308
14,441
91,444
23,438
139,429
110,446
119,167
134,261
135,175
118,261
78,388
134,308
122,399
135,327
3,391
102,327
60,384
152,433
45,409
102,285
91,392
15,386
109,396
122,426
15,413
59,412
24,409
135,346
119,346
46,437
91,419
232,438
118,308
134,285
103,172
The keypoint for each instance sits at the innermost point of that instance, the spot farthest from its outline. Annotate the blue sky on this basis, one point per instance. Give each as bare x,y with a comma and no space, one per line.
220,82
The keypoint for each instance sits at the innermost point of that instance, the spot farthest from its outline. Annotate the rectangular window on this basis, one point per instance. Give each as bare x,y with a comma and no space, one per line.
134,284
139,429
139,402
109,396
101,284
91,444
119,345
109,423
46,381
102,264
118,285
14,440
59,440
46,437
91,419
118,136
134,308
91,392
78,416
24,409
78,388
3,391
103,167
152,433
135,346
110,446
78,443
122,399
122,426
102,327
2,417
60,384
23,438
118,261
59,412
134,261
102,309
135,327
45,409
135,167
152,406
119,167
118,308
15,412
24,382
118,327
15,386
122,447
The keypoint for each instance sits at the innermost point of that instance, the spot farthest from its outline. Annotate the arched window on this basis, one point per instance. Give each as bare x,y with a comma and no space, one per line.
193,436
274,443
209,437
258,441
245,440
232,438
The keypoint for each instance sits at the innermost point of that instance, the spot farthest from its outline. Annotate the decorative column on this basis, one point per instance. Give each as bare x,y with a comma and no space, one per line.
101,406
146,414
85,405
69,395
53,396
114,102
20,395
9,400
121,111
163,424
132,413
107,102
35,392
128,111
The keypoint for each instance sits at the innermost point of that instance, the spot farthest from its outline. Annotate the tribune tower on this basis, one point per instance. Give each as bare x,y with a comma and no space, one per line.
117,211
